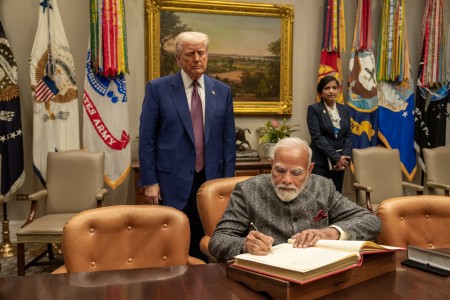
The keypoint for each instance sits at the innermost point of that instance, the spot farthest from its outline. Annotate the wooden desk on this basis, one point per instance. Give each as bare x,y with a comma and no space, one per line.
243,168
181,282
204,282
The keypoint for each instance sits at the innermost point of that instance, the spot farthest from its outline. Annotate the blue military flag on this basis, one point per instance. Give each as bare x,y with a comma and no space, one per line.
11,144
395,86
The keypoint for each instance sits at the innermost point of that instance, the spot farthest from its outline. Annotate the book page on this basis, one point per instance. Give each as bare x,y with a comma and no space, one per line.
353,246
298,259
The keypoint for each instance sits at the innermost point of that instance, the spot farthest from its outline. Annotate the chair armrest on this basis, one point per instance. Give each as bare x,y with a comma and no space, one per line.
101,194
195,261
368,190
33,198
438,185
365,188
418,188
2,198
60,270
38,195
204,242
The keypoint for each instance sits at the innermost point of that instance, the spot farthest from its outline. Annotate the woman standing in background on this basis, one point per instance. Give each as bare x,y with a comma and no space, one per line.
331,135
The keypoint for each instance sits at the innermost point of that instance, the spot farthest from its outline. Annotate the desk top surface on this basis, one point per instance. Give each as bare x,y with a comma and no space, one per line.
204,282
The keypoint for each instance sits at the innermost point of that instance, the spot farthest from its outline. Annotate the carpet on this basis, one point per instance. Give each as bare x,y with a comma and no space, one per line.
9,264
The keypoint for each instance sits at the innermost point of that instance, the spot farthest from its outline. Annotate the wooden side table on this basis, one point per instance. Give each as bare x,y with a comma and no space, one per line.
243,168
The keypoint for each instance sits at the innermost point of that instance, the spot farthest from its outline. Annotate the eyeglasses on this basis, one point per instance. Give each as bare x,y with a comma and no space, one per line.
280,171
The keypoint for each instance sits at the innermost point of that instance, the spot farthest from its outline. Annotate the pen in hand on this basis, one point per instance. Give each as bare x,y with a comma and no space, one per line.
256,229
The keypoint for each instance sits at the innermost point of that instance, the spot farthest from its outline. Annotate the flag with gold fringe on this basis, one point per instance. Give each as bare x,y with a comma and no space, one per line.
432,91
105,113
53,85
11,142
395,86
333,42
362,83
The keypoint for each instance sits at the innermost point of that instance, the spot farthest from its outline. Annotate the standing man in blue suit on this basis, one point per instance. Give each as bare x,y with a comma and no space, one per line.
175,156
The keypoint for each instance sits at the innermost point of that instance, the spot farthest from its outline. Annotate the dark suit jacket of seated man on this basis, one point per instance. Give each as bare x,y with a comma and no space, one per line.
289,203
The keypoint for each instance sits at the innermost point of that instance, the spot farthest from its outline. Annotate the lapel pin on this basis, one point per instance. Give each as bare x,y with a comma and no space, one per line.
213,92
324,111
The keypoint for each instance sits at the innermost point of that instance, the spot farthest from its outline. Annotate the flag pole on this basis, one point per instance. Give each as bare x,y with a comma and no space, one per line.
7,249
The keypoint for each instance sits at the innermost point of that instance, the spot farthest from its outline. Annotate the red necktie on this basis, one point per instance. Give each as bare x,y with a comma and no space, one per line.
197,124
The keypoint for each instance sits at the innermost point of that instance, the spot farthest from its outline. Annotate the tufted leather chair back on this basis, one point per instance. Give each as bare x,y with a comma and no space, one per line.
421,221
126,237
212,200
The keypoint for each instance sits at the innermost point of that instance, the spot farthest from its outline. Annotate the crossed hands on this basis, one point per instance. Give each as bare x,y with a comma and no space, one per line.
258,243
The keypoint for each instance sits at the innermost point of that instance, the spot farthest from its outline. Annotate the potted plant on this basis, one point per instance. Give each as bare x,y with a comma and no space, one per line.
272,132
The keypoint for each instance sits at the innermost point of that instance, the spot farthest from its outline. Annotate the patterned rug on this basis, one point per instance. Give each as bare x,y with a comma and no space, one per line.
9,264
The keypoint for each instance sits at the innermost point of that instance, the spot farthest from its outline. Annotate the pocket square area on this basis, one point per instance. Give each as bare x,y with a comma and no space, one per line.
320,216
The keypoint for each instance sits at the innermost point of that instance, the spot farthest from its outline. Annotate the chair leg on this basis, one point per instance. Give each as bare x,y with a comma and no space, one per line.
51,256
20,259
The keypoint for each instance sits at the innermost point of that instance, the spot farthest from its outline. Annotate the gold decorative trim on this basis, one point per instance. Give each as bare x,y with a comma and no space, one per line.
153,9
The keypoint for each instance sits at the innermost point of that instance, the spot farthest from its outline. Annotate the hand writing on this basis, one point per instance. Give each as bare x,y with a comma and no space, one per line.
309,237
258,243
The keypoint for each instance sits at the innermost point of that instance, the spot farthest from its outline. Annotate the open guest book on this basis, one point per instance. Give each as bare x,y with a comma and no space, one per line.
302,265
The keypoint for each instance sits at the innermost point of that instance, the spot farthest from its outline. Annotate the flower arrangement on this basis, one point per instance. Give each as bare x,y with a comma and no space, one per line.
275,131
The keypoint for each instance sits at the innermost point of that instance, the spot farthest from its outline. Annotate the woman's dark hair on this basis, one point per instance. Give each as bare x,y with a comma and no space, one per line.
324,81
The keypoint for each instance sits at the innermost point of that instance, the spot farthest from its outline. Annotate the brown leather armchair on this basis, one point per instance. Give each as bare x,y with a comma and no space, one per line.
437,166
421,221
378,176
126,237
212,200
74,183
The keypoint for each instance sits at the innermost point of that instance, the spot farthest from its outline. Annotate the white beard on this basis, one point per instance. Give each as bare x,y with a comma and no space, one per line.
285,195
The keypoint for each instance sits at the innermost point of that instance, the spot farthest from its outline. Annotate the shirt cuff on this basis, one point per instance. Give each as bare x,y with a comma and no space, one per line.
342,234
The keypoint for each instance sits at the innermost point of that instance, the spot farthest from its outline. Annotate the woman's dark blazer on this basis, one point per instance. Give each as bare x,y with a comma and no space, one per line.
324,143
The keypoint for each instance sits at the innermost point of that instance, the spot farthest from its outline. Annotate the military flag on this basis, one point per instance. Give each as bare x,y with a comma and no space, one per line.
105,114
362,83
333,42
53,85
11,144
395,86
432,91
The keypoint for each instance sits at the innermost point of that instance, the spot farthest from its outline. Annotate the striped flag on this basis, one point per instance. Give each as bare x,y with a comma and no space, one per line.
333,42
362,83
53,85
432,91
105,114
395,86
11,145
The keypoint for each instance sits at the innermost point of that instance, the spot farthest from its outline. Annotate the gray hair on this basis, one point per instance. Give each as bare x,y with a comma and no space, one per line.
294,143
189,37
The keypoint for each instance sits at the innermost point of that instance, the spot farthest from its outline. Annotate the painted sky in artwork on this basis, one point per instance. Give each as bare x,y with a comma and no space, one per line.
229,34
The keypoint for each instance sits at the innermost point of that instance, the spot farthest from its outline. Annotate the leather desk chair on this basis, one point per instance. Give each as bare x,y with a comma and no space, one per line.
437,166
378,176
74,183
212,200
421,221
126,237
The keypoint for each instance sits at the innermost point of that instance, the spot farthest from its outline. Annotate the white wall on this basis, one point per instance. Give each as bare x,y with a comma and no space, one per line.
20,17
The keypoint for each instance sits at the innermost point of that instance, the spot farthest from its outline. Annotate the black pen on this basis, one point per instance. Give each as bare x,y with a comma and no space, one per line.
256,229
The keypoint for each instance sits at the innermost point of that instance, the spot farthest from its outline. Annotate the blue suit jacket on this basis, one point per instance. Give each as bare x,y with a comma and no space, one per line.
166,137
324,143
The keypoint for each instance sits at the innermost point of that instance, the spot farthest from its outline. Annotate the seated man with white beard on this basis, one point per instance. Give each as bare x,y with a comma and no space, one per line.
290,203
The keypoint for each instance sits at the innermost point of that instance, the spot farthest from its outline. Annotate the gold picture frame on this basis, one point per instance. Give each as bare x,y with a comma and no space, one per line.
279,17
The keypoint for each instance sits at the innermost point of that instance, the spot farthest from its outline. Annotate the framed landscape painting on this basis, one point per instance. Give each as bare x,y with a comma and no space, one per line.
250,48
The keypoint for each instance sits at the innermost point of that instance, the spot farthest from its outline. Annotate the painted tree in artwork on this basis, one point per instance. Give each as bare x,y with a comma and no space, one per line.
171,26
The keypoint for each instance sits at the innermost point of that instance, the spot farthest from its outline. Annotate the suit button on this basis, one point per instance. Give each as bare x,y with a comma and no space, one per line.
294,219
